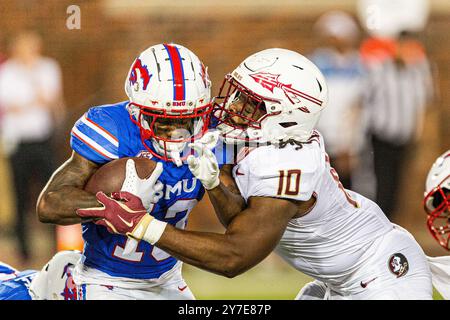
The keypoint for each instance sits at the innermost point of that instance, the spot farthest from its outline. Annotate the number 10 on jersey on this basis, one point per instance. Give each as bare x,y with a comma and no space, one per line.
289,183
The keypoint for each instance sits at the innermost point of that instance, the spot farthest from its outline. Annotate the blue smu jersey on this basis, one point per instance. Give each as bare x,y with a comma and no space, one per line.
18,287
106,133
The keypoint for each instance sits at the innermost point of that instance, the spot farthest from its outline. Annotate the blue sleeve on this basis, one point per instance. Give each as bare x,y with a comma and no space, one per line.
6,269
13,291
18,288
95,136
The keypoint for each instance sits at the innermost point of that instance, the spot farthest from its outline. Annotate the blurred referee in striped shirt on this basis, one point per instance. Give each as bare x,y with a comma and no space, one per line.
399,87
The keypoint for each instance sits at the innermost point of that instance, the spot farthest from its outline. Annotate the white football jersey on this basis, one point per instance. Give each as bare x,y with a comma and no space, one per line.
329,242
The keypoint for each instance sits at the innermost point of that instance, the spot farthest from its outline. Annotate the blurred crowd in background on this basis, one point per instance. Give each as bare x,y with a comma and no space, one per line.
386,121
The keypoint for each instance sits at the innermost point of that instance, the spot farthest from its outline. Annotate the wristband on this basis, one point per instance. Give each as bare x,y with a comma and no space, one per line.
154,231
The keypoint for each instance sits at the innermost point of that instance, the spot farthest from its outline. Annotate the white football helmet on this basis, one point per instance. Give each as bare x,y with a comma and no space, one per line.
54,281
168,86
437,199
281,95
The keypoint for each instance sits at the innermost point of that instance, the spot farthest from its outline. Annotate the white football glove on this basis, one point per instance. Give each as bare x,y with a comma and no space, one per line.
205,167
149,190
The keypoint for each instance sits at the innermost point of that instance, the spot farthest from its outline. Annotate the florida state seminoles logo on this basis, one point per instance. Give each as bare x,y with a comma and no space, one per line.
398,264
138,69
270,81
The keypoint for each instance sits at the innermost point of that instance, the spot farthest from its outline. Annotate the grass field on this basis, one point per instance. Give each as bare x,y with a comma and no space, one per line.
264,282
258,284
270,280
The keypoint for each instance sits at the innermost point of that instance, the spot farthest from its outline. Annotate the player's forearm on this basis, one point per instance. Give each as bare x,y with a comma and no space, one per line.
64,193
249,238
227,204
217,253
59,207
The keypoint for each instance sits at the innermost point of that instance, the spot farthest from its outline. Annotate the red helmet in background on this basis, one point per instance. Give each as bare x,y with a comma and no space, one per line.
437,200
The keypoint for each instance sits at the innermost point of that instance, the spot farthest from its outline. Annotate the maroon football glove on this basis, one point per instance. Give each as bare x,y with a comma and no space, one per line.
122,213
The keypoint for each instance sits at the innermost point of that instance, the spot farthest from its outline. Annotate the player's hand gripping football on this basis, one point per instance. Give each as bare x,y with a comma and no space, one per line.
146,189
124,213
205,166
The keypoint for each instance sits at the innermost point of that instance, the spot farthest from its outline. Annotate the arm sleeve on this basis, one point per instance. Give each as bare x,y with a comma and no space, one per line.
6,270
286,173
95,136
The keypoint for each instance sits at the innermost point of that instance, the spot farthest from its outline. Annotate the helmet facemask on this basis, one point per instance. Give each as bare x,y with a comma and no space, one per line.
170,131
239,112
437,206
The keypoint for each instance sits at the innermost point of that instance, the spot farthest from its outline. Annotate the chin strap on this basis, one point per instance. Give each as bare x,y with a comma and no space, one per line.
175,157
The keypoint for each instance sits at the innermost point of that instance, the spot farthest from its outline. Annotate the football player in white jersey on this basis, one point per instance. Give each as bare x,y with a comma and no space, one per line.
283,194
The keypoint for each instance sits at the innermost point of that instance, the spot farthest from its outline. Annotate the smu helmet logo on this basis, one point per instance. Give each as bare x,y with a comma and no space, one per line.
270,81
143,73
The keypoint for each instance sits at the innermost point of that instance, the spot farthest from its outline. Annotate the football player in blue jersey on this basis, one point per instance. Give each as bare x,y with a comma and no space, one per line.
53,282
169,106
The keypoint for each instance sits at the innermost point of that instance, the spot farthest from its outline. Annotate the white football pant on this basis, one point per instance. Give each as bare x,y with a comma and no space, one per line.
376,279
95,285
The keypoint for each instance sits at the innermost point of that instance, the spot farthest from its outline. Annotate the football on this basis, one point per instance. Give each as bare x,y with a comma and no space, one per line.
109,177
